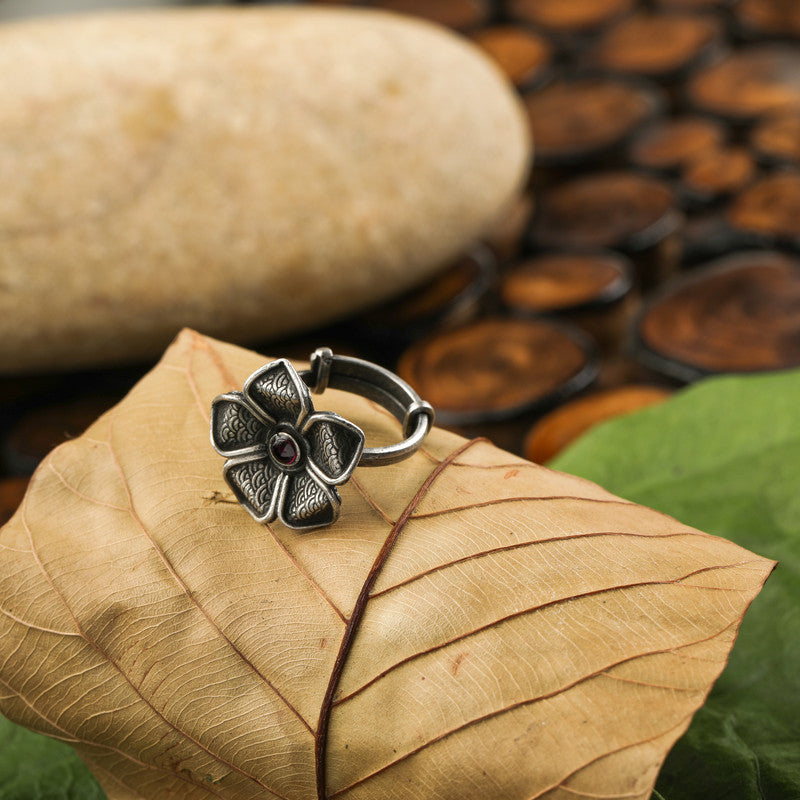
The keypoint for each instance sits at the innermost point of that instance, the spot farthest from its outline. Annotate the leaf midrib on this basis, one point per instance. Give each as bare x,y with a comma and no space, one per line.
358,613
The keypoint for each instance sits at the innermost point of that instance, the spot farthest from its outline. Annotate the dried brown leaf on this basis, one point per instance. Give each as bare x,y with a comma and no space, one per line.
474,626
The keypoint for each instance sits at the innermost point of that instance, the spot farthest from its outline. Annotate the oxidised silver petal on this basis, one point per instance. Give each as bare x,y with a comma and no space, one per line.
235,428
334,446
279,392
257,484
307,502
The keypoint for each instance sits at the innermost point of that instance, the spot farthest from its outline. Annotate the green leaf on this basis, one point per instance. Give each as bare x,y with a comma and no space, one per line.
724,456
33,767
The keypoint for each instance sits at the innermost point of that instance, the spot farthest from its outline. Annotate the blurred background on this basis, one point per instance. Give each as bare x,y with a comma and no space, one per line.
14,9
655,243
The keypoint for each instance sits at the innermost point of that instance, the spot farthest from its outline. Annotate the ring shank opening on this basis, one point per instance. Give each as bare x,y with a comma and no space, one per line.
381,386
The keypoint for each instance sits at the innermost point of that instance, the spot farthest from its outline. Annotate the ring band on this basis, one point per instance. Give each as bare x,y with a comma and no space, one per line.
384,387
284,459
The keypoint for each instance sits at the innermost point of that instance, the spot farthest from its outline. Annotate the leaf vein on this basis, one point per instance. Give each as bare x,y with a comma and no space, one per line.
531,610
302,570
519,499
121,672
72,489
185,588
359,608
521,704
530,543
373,505
78,740
42,629
682,723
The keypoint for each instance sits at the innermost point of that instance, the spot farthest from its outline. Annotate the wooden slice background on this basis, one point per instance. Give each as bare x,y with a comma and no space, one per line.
524,56
463,15
671,143
769,209
496,368
769,18
575,120
776,139
738,314
660,45
719,171
621,210
566,281
750,83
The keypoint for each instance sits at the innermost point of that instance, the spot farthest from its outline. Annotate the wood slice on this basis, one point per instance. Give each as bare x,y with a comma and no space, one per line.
524,56
769,210
569,16
761,18
451,298
657,45
587,289
12,490
463,15
36,433
566,282
749,83
669,144
740,313
776,139
692,5
495,369
556,430
575,120
718,172
616,210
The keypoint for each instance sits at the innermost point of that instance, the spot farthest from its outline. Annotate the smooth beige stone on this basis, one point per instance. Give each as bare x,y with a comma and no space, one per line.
248,172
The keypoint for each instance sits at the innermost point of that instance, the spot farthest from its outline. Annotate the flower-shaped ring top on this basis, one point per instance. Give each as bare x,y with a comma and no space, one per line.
284,459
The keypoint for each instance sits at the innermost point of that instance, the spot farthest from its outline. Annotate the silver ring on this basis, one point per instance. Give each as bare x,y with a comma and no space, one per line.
284,459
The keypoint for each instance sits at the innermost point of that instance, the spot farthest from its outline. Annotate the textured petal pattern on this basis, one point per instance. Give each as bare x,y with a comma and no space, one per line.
308,503
475,627
256,484
279,392
234,427
334,445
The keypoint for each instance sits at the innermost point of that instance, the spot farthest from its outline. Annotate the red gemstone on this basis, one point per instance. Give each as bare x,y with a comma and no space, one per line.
284,449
